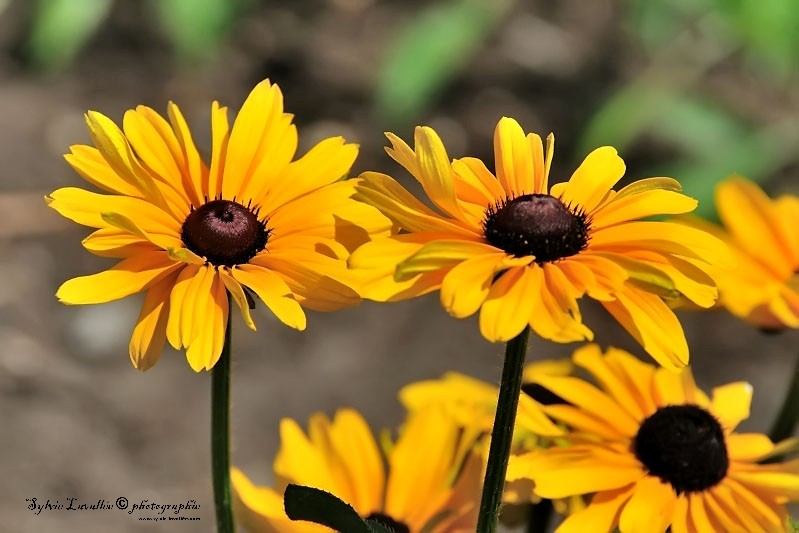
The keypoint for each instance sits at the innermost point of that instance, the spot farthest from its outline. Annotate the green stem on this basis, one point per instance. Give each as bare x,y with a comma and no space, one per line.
501,435
220,435
785,424
539,517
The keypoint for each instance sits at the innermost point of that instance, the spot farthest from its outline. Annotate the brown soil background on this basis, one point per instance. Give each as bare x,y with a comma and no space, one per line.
77,421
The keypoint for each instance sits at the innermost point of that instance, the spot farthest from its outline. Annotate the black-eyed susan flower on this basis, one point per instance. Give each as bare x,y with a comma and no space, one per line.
190,235
523,253
763,235
655,452
432,483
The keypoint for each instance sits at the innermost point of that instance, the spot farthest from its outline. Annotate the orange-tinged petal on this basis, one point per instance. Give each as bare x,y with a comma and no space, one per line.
274,292
193,170
325,163
127,277
513,158
590,358
149,334
650,508
483,185
154,142
750,217
652,324
593,179
506,310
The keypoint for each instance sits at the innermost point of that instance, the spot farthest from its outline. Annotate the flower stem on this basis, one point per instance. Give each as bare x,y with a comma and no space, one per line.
785,424
501,435
220,435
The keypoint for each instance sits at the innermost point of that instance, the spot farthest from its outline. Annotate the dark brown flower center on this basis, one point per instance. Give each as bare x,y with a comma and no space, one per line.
684,446
390,523
536,224
224,232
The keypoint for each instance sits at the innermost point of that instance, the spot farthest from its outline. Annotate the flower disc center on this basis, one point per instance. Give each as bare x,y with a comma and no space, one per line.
224,232
683,445
390,523
538,225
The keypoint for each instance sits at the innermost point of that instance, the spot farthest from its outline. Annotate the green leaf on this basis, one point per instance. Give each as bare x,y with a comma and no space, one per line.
61,28
429,52
196,27
320,507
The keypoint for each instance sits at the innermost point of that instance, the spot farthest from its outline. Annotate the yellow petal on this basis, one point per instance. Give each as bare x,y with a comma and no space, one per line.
193,170
177,299
748,447
92,166
652,324
593,179
220,131
484,187
274,292
261,508
440,254
730,403
211,309
154,142
507,308
127,277
466,286
641,205
513,158
590,358
435,171
650,508
149,334
325,163
602,514
237,292
163,241
752,219
113,242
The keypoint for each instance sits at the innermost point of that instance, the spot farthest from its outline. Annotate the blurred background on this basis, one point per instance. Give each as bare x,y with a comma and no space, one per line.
695,89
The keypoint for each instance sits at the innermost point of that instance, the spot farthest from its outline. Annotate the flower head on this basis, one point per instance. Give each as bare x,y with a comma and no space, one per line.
763,235
432,483
190,235
656,452
523,253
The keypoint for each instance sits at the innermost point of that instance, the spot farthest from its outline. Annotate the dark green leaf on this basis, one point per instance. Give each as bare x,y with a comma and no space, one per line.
320,507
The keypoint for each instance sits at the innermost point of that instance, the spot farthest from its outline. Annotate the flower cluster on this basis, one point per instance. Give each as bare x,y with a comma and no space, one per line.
612,441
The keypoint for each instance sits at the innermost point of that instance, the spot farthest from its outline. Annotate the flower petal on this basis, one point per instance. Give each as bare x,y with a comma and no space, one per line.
127,277
220,133
149,334
235,290
506,311
210,312
593,179
440,254
730,403
274,292
601,514
652,324
650,508
513,159
466,286
92,166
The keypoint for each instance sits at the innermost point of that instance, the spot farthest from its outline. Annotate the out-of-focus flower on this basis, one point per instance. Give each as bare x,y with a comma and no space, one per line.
189,235
523,253
656,453
763,235
432,483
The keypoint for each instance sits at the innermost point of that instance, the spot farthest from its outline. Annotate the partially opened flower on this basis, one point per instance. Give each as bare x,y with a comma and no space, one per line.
190,235
472,402
763,235
523,253
432,483
655,453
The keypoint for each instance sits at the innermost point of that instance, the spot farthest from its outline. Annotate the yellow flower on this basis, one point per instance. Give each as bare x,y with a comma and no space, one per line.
189,234
656,452
432,484
523,253
763,235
